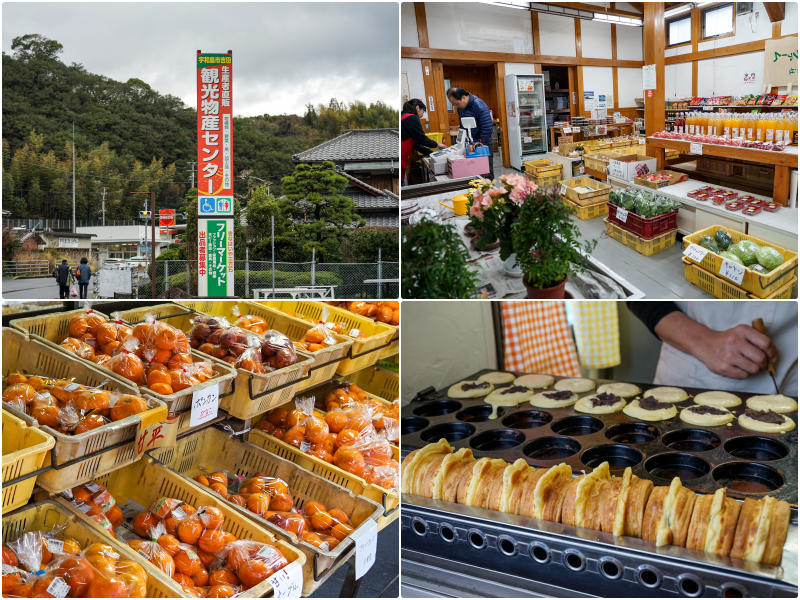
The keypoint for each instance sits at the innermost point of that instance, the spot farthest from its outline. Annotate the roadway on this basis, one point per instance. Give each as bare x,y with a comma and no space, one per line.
40,288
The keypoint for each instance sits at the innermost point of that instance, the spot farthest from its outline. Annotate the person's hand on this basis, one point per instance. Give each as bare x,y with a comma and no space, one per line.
441,146
737,353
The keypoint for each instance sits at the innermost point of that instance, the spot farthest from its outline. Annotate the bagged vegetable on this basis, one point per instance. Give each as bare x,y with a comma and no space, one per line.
769,258
746,251
731,256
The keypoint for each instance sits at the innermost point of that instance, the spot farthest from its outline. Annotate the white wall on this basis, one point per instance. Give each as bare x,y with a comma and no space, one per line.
556,35
629,86
596,39
416,84
744,29
677,80
477,26
723,76
629,42
599,80
408,25
444,342
789,23
520,69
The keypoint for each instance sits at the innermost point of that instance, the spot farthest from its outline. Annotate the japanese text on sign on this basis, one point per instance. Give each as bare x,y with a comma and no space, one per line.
622,215
288,582
366,539
205,403
732,271
695,253
151,437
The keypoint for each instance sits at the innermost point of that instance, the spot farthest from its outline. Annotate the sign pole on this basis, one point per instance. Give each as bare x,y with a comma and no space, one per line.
152,241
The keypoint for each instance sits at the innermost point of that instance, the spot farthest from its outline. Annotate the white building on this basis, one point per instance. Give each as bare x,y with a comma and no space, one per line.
126,241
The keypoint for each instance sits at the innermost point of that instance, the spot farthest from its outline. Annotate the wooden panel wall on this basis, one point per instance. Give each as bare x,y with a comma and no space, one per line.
479,81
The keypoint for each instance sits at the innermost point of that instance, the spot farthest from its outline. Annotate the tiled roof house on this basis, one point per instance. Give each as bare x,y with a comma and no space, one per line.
370,160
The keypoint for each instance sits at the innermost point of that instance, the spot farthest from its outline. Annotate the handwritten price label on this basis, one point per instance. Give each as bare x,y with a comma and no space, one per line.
563,189
695,253
616,168
695,148
642,141
155,436
567,130
622,215
288,582
205,404
732,271
366,539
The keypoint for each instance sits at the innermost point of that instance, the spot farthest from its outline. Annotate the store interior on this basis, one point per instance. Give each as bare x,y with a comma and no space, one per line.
515,450
193,450
677,104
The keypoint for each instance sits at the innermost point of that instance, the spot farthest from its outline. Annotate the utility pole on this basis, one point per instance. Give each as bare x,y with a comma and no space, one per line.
73,178
191,172
104,206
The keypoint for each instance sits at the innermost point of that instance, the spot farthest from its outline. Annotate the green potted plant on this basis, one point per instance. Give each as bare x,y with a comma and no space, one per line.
548,244
435,261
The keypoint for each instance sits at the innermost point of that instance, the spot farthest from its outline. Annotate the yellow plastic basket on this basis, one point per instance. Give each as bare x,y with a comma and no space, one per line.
212,450
542,168
36,358
436,136
544,181
42,516
724,289
24,451
645,247
589,211
146,481
599,191
53,327
389,501
364,352
376,381
758,284
326,361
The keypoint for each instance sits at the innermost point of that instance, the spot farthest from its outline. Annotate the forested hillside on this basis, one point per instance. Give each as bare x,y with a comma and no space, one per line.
128,137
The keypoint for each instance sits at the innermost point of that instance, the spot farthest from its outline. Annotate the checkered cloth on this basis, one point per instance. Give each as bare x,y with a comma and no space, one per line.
596,326
537,338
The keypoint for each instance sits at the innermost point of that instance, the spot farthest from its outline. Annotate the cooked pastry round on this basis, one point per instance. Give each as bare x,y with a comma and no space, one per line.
576,385
721,399
497,377
754,425
775,403
513,395
623,390
541,400
691,416
667,394
635,411
457,390
534,381
585,405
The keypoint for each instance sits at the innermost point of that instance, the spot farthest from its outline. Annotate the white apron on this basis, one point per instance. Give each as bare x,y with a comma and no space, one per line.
780,320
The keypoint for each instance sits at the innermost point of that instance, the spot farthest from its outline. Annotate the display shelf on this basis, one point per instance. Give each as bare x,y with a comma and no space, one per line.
794,106
782,161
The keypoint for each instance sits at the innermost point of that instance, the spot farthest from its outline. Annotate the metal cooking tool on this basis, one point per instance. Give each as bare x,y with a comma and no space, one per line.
758,325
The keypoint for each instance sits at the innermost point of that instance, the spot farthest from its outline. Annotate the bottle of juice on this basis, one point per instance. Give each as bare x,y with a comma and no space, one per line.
701,123
734,125
786,126
769,128
727,125
761,125
794,130
778,127
751,127
690,123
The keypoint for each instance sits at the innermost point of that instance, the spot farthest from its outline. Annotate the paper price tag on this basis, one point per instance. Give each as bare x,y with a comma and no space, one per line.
205,404
84,508
567,130
9,569
695,148
157,435
288,582
622,215
58,588
305,446
732,271
366,539
130,509
708,108
642,141
71,387
616,169
55,546
563,189
527,139
178,513
92,486
695,252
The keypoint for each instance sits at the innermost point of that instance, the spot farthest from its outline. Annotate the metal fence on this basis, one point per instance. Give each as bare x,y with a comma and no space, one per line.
65,224
346,280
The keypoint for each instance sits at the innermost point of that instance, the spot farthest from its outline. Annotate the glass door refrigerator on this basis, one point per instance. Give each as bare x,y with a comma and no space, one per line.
527,122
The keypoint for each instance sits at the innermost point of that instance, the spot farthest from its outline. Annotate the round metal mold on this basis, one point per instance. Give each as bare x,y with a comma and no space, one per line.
748,477
632,433
577,426
452,432
552,448
732,590
497,439
610,568
437,408
619,456
507,545
527,419
754,447
690,440
689,585
412,425
447,532
574,560
676,464
475,414
540,552
649,577
476,539
419,526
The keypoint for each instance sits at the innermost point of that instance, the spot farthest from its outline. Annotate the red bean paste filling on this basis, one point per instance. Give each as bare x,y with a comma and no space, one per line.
604,399
480,385
563,395
765,416
707,410
651,403
515,389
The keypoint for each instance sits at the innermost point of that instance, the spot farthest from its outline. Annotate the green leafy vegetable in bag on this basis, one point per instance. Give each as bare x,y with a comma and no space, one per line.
746,250
769,258
732,257
723,239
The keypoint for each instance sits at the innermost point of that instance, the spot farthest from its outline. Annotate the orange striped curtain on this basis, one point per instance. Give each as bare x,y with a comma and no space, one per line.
537,338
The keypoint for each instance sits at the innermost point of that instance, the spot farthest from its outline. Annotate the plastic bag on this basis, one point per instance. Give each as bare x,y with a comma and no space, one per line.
208,329
252,323
250,360
746,251
316,429
85,324
277,350
79,348
126,363
253,562
769,258
153,551
317,338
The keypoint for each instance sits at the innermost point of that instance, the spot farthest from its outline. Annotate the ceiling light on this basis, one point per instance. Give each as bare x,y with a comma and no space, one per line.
699,4
678,10
617,20
512,4
561,11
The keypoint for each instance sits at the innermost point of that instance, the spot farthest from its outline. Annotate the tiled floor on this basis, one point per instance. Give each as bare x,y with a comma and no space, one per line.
382,580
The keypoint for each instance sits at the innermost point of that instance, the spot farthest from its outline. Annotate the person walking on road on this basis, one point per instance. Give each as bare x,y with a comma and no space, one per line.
64,277
84,275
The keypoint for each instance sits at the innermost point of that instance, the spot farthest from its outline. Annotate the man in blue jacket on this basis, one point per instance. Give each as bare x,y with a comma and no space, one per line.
469,105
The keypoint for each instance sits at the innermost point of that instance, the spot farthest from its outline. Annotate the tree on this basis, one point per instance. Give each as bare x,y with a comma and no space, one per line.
327,215
362,245
34,45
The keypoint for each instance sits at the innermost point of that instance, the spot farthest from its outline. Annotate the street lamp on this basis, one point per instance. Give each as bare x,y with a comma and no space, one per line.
153,239
264,180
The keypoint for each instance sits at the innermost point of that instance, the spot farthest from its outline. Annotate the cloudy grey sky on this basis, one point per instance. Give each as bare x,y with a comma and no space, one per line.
285,54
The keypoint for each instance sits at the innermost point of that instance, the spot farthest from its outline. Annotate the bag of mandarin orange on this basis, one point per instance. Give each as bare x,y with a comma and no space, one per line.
252,323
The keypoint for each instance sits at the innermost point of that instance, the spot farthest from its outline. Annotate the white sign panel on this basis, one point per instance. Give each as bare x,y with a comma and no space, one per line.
732,271
67,242
695,252
366,539
288,582
205,404
649,77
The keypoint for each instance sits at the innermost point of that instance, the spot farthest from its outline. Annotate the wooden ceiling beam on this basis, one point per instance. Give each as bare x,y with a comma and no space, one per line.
638,6
595,9
492,57
776,11
744,48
